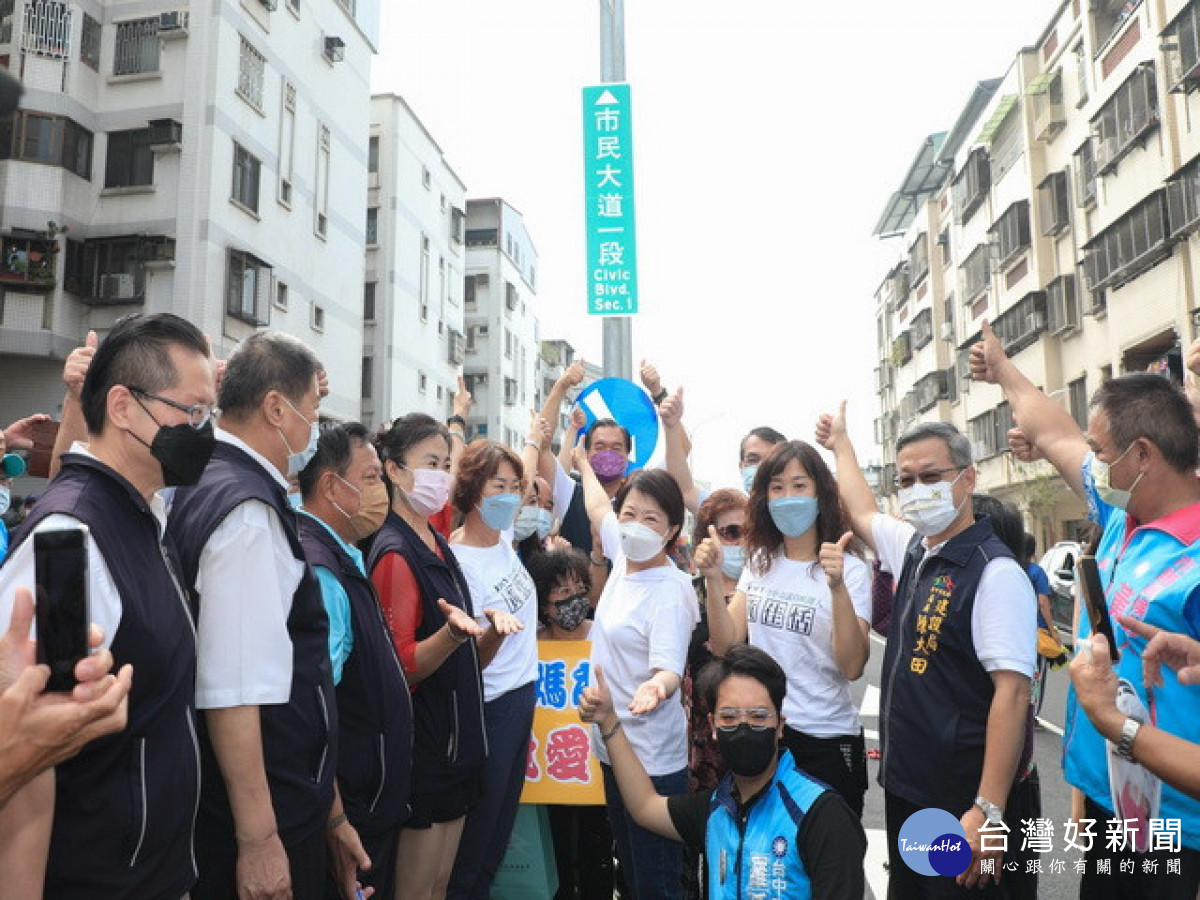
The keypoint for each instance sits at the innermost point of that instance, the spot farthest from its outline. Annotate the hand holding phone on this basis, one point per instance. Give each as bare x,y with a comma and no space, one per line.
60,563
1094,602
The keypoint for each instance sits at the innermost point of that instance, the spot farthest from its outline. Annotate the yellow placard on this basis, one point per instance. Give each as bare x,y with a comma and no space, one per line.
561,767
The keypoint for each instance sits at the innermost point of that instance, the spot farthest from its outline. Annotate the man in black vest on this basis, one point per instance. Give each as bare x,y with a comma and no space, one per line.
263,675
117,820
959,657
345,501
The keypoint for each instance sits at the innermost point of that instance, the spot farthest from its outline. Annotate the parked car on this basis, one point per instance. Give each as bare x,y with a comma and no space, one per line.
1059,565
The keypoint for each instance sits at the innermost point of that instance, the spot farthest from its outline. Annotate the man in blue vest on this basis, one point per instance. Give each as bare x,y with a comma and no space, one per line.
767,830
263,674
345,501
117,820
958,662
1136,470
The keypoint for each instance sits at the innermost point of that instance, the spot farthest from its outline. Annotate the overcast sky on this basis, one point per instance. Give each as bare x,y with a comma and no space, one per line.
768,134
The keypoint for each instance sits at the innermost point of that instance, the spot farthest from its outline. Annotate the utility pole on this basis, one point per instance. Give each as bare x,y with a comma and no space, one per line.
618,330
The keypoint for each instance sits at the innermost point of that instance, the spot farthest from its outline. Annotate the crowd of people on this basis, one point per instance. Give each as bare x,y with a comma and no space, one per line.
315,652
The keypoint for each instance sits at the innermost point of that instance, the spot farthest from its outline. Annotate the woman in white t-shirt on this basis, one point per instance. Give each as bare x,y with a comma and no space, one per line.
644,620
488,491
807,602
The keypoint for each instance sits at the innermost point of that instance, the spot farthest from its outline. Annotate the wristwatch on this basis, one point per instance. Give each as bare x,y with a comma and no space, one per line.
992,814
1129,730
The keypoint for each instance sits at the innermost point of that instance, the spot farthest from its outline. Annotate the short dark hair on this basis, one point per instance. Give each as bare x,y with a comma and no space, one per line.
956,442
1006,521
550,567
763,433
479,462
749,662
608,423
1029,545
335,451
136,352
659,487
394,442
266,361
1145,405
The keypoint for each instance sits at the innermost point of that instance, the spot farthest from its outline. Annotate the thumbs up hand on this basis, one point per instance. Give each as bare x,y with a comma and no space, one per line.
987,356
833,559
595,703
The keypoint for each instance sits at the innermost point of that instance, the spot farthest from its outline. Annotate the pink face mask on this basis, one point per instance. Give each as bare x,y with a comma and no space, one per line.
431,489
609,465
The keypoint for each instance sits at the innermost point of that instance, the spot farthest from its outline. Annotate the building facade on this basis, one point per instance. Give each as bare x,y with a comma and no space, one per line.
206,161
503,346
413,341
1062,206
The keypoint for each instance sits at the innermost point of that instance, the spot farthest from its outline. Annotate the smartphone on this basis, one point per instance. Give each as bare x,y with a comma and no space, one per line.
60,563
1094,603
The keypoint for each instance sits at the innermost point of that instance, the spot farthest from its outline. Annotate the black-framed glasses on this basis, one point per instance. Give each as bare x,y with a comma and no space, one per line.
732,532
198,415
931,476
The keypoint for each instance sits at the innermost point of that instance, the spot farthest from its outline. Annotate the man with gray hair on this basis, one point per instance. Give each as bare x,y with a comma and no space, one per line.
263,676
959,657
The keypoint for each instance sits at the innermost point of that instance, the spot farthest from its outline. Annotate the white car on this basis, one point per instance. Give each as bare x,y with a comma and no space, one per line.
1059,565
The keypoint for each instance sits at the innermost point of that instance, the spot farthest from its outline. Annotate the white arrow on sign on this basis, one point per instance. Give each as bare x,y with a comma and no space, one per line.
606,99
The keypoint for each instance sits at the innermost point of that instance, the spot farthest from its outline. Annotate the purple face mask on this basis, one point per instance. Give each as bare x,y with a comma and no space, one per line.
609,465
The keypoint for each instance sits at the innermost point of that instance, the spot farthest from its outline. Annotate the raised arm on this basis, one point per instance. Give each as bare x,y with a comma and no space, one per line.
654,387
570,437
595,499
570,379
671,412
857,496
536,442
726,621
73,428
1044,423
463,401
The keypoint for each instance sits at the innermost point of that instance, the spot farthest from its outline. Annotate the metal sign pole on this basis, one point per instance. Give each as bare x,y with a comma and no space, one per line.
617,330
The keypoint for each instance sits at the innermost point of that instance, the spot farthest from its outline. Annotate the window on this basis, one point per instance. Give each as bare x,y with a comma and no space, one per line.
294,6
1011,233
287,143
422,382
42,138
130,160
929,389
1077,401
972,183
1008,143
989,432
508,344
1081,73
1131,245
281,295
1019,326
426,178
1107,18
423,296
369,301
1085,173
317,318
47,29
918,258
367,364
922,328
136,47
901,349
510,296
247,286
372,225
510,392
321,182
1182,43
458,225
1129,114
1062,304
1054,204
246,169
373,154
1183,201
252,67
89,43
976,273
1046,105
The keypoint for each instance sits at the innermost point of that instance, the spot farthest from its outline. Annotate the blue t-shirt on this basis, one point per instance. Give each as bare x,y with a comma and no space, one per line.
1041,586
337,605
1150,572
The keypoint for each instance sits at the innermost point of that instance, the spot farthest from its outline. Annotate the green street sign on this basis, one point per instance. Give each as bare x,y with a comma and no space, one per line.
608,200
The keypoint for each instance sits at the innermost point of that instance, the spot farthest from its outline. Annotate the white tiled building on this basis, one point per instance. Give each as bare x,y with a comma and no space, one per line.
209,161
413,343
503,356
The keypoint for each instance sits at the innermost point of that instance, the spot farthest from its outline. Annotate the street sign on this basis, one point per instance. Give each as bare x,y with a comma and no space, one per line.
628,405
608,200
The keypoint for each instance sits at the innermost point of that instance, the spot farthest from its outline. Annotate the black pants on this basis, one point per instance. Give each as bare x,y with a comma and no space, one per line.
583,850
840,762
1024,802
217,855
1119,885
381,848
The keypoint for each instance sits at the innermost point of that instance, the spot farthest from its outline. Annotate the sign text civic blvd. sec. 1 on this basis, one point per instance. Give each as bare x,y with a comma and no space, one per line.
608,200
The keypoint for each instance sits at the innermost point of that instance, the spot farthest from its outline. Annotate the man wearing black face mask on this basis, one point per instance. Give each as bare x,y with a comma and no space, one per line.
117,820
768,829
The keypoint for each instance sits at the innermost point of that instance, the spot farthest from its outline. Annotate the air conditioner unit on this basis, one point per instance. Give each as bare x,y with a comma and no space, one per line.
483,279
335,49
158,249
947,333
165,132
117,287
176,22
1036,321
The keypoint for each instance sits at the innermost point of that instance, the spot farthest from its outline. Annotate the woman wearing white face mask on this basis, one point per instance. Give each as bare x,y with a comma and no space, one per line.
644,619
807,602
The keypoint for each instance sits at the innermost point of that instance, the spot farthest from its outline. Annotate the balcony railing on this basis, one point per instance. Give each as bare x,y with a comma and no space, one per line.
47,29
137,47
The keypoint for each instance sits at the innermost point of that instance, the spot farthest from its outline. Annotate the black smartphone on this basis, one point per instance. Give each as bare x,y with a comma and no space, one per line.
60,562
1094,603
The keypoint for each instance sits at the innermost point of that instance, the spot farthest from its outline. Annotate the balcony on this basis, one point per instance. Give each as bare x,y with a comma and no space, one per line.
136,50
28,262
1129,115
1181,41
1136,242
1062,305
46,29
931,388
1019,326
922,329
972,184
1045,96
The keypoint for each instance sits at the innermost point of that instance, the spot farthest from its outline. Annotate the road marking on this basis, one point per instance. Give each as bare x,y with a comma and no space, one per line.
1049,726
873,868
870,702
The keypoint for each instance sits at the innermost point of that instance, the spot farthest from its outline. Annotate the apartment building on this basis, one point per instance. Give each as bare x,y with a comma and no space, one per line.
503,346
209,161
1062,206
413,343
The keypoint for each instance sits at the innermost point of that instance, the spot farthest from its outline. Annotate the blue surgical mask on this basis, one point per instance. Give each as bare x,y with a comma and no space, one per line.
499,511
793,515
298,460
531,520
734,560
748,473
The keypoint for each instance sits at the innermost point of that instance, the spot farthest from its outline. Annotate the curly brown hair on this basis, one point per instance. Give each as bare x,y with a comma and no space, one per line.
480,461
714,506
763,538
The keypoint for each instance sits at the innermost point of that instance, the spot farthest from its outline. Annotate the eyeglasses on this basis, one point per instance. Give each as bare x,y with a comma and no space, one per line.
931,476
198,415
758,717
731,532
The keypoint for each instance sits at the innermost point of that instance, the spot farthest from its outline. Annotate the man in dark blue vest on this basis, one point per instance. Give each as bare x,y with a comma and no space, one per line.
263,675
345,501
768,829
959,658
117,820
